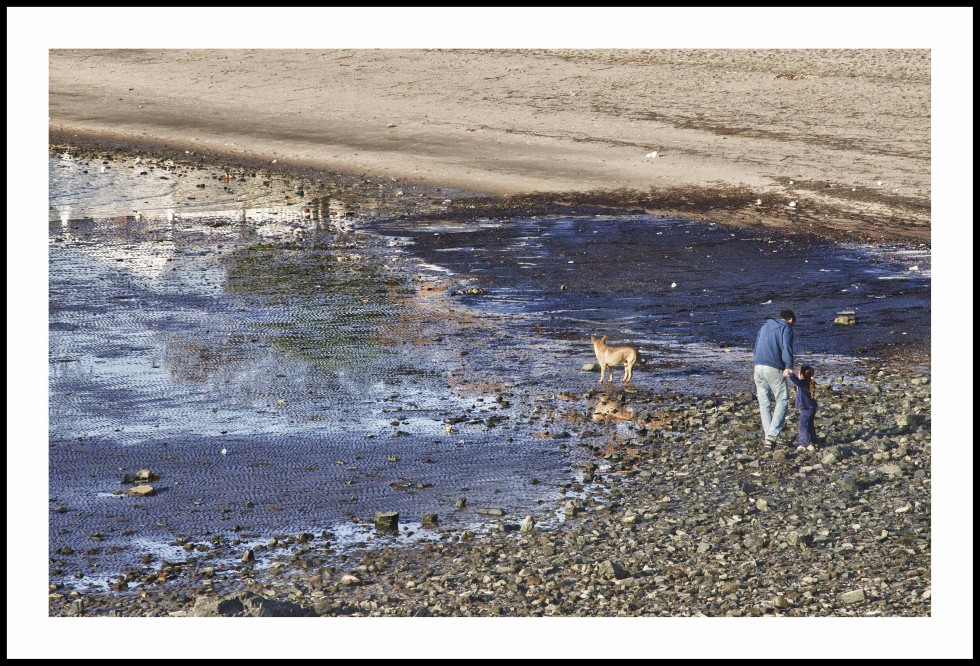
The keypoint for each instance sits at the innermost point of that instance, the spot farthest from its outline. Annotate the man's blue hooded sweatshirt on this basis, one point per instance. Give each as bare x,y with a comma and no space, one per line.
774,345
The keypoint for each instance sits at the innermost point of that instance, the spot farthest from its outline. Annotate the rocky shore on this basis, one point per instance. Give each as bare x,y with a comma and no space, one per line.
684,513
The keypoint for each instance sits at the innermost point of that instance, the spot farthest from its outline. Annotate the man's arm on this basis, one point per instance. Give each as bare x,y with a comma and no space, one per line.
788,347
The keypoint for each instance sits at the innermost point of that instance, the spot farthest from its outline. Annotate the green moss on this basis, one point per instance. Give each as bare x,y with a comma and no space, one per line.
334,306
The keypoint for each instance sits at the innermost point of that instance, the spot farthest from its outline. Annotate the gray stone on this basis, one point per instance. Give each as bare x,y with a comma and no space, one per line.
77,608
430,520
492,511
146,475
142,491
613,570
845,320
247,604
849,483
852,597
574,507
891,470
324,606
527,525
591,367
753,542
460,503
248,556
800,538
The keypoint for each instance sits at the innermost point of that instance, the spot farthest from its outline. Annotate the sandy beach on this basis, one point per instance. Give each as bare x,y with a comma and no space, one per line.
831,141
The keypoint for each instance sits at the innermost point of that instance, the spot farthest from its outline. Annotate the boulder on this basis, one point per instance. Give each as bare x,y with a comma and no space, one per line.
247,604
386,521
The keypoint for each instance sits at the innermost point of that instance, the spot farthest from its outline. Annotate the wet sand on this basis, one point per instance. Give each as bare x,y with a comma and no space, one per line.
835,141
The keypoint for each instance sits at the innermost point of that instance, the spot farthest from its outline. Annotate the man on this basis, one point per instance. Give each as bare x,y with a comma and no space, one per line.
773,354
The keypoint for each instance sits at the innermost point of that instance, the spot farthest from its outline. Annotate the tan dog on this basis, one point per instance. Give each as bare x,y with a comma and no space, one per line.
609,357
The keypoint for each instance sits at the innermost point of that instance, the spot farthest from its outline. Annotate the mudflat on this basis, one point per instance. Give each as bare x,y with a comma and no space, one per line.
831,141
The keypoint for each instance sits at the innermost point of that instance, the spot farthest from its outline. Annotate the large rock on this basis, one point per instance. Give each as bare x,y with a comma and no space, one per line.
490,511
613,570
527,525
145,490
909,420
852,597
609,409
247,604
386,521
845,320
891,470
754,542
803,538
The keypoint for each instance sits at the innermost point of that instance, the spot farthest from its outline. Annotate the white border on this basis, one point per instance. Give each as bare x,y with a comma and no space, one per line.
947,31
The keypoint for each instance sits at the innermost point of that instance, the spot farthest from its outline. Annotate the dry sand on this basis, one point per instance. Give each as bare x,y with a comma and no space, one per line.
845,134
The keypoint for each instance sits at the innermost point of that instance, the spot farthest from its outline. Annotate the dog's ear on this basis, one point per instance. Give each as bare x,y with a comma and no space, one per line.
602,339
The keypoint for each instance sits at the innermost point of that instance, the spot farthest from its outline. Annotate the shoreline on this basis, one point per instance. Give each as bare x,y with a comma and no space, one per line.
736,206
556,125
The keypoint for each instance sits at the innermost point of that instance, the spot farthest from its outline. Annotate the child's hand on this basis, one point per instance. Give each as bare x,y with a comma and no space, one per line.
787,372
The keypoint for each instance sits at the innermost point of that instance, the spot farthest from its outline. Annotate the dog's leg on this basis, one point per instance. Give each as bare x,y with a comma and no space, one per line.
602,372
629,373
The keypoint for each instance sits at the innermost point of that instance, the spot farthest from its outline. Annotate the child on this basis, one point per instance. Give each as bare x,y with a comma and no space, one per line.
806,391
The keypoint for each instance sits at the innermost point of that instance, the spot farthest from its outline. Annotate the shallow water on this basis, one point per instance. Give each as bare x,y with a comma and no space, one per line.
283,373
646,281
